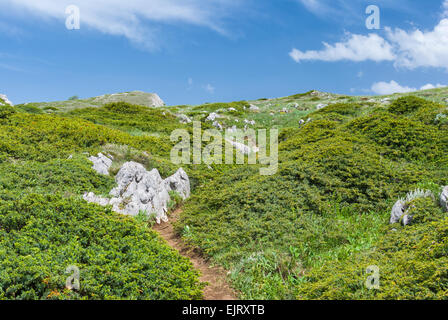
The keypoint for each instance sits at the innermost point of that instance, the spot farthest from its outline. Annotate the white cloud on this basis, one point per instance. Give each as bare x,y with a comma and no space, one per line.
431,86
354,48
136,20
421,49
407,49
384,88
209,88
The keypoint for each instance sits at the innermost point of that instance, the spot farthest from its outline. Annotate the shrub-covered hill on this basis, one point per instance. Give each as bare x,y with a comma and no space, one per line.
45,226
307,232
299,233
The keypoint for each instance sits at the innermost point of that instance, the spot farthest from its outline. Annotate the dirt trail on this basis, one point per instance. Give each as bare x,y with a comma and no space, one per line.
217,288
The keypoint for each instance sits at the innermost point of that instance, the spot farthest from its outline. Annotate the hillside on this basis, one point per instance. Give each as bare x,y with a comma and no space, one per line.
308,232
135,97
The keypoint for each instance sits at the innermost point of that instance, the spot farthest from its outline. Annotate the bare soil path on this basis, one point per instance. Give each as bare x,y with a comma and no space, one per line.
217,287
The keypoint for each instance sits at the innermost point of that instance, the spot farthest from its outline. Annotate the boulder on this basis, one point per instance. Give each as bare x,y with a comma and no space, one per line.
180,183
212,116
254,108
217,125
101,164
183,118
444,199
321,106
398,210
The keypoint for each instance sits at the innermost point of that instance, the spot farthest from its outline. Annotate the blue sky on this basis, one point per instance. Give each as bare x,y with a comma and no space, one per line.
196,51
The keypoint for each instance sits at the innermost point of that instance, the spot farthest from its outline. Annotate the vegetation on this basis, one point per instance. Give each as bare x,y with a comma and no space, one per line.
308,232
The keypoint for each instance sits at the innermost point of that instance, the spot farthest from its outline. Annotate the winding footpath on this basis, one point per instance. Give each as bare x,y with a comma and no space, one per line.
217,287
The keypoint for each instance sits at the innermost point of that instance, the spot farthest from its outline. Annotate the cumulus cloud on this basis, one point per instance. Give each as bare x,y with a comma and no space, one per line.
384,88
133,19
407,49
421,49
354,48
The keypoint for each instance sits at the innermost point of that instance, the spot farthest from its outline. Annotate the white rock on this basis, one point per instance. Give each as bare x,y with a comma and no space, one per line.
321,106
179,182
5,100
101,164
91,197
254,108
398,211
183,118
138,191
231,109
217,125
212,116
444,199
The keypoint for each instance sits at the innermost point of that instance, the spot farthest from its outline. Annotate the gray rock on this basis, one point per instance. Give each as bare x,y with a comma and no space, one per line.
179,182
232,129
138,191
301,122
217,125
398,210
183,118
135,97
212,116
101,164
444,199
92,198
321,106
254,108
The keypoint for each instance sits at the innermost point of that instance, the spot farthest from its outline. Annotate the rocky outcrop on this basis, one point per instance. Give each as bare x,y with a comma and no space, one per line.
139,190
401,208
180,183
135,97
101,164
321,106
398,211
444,199
212,116
183,118
4,100
217,125
254,108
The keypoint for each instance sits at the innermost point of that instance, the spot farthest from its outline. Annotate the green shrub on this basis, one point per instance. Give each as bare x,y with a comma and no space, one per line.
118,258
6,111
